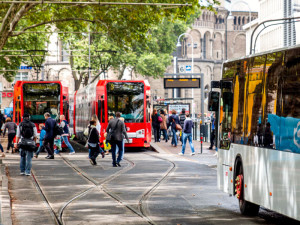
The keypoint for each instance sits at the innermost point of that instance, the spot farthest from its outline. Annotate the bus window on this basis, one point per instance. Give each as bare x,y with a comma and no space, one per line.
254,107
285,124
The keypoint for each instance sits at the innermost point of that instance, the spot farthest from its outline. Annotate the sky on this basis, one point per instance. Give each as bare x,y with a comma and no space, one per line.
238,5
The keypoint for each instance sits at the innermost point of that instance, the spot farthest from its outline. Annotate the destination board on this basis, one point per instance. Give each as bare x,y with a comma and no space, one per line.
181,82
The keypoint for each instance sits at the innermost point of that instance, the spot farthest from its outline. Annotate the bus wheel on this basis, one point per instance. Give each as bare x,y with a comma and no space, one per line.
246,208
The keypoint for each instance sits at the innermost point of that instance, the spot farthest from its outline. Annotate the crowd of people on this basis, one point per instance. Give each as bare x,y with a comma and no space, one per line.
183,124
53,134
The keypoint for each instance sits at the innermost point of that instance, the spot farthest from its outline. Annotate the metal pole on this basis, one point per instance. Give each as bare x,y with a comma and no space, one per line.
175,71
89,54
193,113
202,111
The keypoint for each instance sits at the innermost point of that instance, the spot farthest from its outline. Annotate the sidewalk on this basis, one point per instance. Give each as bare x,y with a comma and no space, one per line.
207,157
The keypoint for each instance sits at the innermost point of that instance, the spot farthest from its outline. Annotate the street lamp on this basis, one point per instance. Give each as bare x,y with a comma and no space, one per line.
179,45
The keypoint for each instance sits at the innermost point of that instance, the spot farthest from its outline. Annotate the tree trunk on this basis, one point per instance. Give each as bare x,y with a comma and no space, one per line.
11,19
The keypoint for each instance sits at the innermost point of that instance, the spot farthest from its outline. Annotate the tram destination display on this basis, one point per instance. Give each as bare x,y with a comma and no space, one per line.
181,82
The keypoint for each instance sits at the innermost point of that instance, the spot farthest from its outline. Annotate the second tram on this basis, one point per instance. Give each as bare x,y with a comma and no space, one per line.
106,97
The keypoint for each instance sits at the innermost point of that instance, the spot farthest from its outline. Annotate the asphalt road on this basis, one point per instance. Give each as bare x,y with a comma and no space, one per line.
149,188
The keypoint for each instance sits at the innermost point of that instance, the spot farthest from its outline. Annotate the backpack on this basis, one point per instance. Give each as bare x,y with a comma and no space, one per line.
58,131
26,129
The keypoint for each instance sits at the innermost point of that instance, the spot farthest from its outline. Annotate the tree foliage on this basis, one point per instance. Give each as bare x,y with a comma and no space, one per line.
130,29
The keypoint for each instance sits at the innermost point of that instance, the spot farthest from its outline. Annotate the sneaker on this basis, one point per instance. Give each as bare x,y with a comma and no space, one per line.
36,156
118,164
103,154
115,165
50,157
22,173
71,153
92,162
180,153
27,174
95,163
193,153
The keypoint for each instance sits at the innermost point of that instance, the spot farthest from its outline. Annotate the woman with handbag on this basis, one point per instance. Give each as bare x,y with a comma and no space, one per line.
174,123
156,125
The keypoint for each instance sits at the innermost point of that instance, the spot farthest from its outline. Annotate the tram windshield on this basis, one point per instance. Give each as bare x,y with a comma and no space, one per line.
126,98
40,98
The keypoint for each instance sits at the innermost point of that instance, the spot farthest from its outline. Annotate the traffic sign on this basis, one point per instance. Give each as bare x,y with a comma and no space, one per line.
188,68
181,69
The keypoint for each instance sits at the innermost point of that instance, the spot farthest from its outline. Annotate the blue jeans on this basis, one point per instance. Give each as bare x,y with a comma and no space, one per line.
25,162
186,136
114,145
165,134
65,139
174,139
121,153
39,149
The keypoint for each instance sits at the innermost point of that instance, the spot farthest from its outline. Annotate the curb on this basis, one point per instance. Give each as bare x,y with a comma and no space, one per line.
5,199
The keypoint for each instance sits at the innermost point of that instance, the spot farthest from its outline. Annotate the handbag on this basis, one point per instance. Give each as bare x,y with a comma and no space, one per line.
87,142
159,119
178,127
27,144
110,135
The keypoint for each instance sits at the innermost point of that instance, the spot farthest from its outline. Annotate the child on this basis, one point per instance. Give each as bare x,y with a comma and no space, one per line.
42,136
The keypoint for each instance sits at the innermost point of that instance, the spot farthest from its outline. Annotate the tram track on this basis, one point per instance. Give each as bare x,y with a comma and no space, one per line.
141,211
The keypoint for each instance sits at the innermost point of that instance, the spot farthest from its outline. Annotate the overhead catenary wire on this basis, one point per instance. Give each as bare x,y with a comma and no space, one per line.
99,3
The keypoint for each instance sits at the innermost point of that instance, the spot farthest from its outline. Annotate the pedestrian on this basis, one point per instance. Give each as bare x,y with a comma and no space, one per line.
181,122
2,121
64,137
119,152
155,125
93,142
163,125
42,137
12,128
26,130
173,120
98,127
49,137
212,133
117,130
187,134
268,136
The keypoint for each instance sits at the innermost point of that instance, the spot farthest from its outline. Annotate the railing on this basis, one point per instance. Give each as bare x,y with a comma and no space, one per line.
220,26
203,24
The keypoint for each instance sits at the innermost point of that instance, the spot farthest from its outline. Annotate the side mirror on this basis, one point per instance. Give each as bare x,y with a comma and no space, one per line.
213,101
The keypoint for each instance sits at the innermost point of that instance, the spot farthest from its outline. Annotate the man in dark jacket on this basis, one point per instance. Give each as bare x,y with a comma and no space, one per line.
181,121
49,137
117,127
187,134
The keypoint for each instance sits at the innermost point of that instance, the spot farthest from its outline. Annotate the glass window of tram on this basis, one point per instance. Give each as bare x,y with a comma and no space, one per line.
40,98
127,98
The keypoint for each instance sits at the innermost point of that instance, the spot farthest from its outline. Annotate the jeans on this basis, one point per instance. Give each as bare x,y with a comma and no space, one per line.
25,162
90,153
65,139
121,153
11,137
174,139
39,149
156,133
94,152
186,136
165,134
114,145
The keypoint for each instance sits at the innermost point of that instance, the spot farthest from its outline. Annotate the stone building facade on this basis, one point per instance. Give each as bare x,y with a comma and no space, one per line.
216,37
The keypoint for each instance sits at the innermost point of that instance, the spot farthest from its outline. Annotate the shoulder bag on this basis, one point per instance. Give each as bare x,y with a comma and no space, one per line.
110,135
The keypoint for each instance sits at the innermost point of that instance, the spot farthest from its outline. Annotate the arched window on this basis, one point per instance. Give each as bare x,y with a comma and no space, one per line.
206,91
243,20
234,20
239,21
248,20
220,19
216,19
